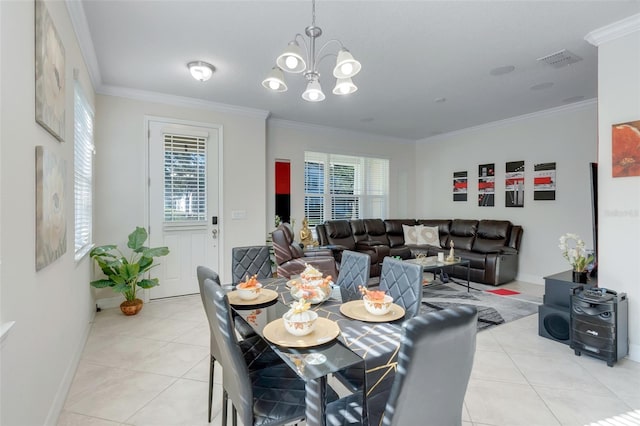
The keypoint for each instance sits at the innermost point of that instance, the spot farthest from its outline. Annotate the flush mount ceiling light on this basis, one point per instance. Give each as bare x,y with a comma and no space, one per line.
201,71
293,61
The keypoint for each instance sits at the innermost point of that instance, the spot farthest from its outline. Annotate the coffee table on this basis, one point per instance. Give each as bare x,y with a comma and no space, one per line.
432,264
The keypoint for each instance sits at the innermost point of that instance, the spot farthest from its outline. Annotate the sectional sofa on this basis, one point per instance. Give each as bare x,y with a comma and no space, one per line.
491,246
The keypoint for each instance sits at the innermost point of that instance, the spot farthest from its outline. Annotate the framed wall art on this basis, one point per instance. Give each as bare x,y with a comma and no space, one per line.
486,185
460,186
50,74
544,181
514,184
625,149
51,214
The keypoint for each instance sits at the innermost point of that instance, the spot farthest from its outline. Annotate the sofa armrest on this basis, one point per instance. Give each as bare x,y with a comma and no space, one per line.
315,252
508,250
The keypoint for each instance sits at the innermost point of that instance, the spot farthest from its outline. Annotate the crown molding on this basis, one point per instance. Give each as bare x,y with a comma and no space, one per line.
83,35
181,101
298,125
501,123
614,30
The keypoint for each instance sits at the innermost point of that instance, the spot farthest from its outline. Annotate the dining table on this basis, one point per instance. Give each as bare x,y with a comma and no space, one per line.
367,346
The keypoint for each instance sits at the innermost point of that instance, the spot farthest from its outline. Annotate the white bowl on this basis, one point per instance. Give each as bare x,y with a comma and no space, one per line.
249,293
378,307
313,293
300,327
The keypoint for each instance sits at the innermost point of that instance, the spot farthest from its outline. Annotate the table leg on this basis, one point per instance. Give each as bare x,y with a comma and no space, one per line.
316,401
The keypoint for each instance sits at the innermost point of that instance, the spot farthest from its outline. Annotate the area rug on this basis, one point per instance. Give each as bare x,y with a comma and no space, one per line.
492,309
503,292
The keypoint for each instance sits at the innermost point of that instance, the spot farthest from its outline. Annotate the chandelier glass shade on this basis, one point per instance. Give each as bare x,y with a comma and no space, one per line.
293,61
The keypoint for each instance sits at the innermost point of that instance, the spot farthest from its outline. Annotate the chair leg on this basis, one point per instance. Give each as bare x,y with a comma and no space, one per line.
225,400
235,415
211,366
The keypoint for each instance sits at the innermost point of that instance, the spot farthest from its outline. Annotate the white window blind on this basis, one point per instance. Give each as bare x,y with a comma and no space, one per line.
185,178
345,187
83,150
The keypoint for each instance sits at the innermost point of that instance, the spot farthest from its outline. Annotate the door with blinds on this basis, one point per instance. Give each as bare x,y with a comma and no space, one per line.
183,203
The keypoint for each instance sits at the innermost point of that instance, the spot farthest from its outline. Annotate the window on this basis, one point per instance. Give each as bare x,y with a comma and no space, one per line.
83,150
344,187
185,180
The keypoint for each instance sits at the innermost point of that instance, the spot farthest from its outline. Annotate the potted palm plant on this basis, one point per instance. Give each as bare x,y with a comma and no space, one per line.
125,274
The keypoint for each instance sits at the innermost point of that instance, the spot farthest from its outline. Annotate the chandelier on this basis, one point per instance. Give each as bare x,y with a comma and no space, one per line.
292,61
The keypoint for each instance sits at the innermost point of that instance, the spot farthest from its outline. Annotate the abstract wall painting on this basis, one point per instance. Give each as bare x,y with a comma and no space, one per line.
625,149
51,215
283,190
50,74
460,186
544,181
486,185
514,184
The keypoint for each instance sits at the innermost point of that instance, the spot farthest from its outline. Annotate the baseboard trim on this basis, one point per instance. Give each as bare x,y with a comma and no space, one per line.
634,352
528,278
67,379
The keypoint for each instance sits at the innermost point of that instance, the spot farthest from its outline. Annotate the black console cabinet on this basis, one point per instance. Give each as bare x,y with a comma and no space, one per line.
554,315
599,324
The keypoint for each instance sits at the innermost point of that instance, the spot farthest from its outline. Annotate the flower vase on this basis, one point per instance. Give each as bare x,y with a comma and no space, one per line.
580,277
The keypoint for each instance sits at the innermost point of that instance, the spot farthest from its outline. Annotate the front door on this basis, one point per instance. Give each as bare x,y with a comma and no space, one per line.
183,202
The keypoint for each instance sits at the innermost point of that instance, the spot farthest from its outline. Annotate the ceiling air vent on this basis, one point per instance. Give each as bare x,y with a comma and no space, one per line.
560,59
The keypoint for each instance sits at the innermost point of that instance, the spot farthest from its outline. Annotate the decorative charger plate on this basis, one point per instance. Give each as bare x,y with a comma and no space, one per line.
264,296
356,310
325,331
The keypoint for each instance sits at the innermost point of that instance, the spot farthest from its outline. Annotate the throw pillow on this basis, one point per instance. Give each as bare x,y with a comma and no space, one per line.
410,234
429,235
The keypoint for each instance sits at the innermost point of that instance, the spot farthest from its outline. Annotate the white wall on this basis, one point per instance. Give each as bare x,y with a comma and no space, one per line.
619,198
121,146
289,141
53,307
566,136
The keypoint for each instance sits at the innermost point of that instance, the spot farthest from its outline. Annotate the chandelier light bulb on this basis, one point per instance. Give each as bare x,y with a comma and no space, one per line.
346,68
275,81
291,62
314,91
344,86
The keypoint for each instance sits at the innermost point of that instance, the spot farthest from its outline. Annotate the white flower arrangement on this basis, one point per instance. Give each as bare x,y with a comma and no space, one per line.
573,250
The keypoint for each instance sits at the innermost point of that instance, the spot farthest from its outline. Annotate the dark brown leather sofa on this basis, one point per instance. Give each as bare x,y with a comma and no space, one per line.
491,246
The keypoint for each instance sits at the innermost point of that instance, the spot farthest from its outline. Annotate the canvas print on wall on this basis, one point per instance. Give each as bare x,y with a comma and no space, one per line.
514,184
51,215
459,186
486,185
625,149
50,74
544,181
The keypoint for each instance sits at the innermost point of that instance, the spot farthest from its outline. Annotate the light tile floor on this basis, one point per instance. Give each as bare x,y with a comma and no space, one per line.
152,369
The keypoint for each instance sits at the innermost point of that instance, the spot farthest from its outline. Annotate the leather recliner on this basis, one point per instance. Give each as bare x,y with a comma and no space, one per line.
291,259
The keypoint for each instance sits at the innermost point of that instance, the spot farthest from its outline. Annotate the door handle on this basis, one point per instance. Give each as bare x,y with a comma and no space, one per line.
214,234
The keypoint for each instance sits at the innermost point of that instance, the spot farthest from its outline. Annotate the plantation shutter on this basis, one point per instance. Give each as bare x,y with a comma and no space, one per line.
185,178
345,187
83,150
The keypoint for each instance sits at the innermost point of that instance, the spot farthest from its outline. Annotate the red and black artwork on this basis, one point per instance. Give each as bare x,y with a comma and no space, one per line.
486,185
514,184
459,186
283,190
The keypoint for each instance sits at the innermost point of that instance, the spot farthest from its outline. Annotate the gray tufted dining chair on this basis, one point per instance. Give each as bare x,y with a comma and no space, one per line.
402,281
354,272
249,261
270,396
434,365
255,351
